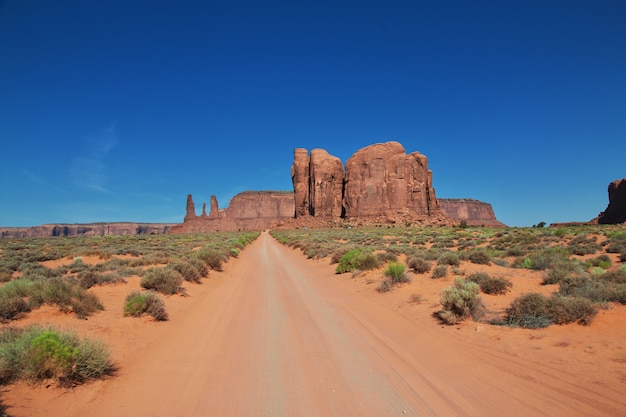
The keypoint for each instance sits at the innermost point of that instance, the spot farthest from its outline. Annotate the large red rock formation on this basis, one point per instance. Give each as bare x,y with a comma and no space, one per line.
250,210
326,184
300,179
616,210
472,212
191,209
382,180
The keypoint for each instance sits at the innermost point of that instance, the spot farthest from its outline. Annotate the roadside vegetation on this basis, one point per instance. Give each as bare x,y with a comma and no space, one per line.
585,265
163,262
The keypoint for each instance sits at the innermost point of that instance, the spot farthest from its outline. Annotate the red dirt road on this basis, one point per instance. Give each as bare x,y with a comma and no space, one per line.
279,336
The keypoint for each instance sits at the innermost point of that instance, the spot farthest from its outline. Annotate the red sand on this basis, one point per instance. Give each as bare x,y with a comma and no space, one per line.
276,334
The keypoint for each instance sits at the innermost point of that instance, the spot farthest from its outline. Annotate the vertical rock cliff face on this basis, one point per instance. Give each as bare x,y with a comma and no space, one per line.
326,184
616,210
382,179
215,209
300,179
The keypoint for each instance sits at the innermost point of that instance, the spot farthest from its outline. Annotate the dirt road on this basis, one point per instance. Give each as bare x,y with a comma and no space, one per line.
279,336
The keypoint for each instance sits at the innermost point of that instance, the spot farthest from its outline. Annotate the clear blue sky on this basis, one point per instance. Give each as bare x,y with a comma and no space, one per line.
116,110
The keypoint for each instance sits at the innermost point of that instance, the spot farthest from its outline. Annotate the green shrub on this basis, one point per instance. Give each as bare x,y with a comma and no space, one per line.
479,256
440,271
150,303
561,270
37,353
200,266
449,258
562,310
490,285
211,258
418,264
600,288
356,259
396,273
163,280
461,302
546,258
186,270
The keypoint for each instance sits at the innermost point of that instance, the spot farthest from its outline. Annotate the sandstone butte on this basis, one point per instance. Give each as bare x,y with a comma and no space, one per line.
380,183
616,210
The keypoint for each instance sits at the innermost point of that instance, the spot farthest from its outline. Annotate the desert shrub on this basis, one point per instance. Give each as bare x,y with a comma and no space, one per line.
562,310
37,353
461,302
599,288
211,258
449,258
386,257
561,270
200,266
150,303
536,310
384,285
395,271
163,280
233,252
186,270
479,256
90,278
500,262
490,285
356,259
543,259
528,311
581,245
515,251
418,264
67,294
440,271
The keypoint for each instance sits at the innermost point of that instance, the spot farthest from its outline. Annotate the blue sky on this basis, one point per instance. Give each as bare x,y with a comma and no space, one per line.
116,110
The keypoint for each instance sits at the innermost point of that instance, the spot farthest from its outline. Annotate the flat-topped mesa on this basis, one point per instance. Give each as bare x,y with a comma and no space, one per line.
261,205
382,180
470,211
616,210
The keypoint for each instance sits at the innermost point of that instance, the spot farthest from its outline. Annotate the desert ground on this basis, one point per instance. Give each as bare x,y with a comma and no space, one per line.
278,334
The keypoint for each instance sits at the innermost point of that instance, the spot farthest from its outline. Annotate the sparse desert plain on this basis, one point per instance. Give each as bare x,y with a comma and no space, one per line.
249,324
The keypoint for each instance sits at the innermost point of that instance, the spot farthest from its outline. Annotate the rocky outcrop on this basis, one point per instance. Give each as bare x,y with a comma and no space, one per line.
87,229
379,184
382,180
616,210
250,210
472,212
300,179
191,209
215,209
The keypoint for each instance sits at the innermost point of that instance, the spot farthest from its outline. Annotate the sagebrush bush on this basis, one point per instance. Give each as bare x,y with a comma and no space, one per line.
356,259
606,287
461,302
560,270
37,353
536,310
386,257
211,258
163,280
395,271
186,270
440,271
479,256
490,285
449,258
150,303
418,264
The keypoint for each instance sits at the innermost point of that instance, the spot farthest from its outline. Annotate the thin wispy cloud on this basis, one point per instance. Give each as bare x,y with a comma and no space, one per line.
89,170
33,177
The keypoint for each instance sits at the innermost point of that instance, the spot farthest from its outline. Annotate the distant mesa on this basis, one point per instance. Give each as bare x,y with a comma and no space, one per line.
380,184
86,229
616,210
